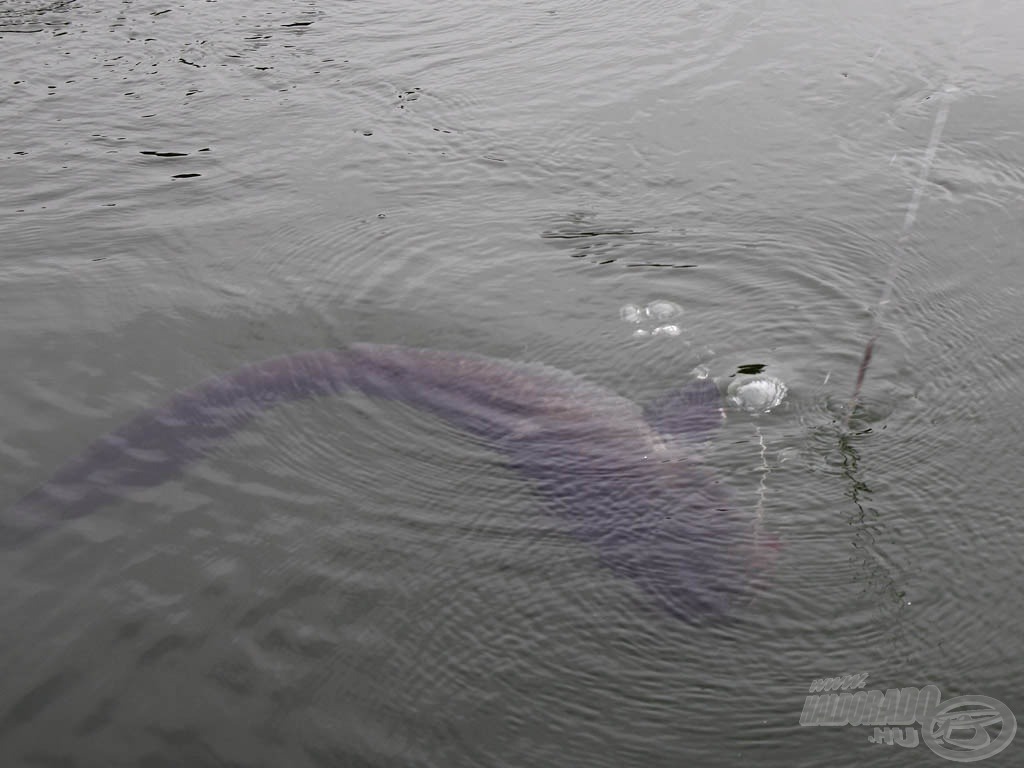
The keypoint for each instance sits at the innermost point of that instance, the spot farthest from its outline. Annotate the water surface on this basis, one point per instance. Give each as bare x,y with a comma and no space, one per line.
189,188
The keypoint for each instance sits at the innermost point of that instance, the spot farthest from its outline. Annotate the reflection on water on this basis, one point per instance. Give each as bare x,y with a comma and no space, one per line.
880,580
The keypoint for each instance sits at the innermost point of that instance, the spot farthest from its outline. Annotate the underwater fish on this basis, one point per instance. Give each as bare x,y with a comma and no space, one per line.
639,496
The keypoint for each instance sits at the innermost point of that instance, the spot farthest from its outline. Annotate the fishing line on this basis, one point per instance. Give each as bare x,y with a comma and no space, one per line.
941,115
765,470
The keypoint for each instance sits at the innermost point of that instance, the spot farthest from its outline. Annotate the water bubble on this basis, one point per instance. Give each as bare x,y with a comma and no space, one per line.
662,310
653,317
701,372
631,313
757,394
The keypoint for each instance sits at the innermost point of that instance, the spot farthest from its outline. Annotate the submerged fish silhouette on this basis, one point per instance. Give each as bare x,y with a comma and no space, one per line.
645,503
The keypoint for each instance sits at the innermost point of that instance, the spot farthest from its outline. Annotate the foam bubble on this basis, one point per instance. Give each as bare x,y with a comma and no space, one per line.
757,394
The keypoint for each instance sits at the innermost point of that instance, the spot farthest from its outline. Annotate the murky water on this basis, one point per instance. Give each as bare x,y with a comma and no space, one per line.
348,581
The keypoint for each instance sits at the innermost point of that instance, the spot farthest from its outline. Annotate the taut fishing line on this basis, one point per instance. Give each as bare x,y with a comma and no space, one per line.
941,115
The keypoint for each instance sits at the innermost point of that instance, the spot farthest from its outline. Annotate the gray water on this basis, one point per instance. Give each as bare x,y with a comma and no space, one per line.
191,187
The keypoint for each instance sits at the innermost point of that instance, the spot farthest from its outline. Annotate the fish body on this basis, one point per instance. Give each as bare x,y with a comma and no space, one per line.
652,511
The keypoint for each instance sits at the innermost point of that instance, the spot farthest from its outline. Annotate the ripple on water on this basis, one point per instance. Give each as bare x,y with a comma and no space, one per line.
27,16
363,581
